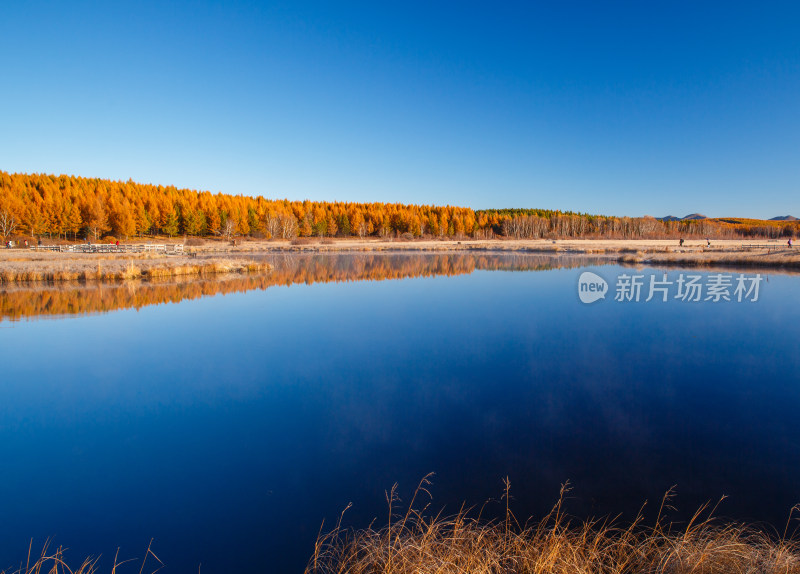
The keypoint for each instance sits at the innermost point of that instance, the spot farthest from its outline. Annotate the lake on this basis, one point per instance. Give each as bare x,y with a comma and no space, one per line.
225,419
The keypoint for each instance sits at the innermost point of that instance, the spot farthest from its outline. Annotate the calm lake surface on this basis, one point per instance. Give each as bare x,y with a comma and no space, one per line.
230,422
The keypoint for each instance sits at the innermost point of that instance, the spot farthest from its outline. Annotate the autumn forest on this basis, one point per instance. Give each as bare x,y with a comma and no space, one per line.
73,208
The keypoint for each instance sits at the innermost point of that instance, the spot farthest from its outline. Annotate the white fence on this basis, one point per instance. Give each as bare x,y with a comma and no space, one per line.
170,248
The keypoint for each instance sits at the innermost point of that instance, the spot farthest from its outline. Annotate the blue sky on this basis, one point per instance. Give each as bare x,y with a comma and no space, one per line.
625,108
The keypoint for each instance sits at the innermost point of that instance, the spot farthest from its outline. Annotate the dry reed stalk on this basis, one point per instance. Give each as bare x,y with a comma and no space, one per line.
55,562
417,544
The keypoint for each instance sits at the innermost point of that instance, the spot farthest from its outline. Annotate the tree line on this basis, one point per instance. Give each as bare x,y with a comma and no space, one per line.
542,224
71,207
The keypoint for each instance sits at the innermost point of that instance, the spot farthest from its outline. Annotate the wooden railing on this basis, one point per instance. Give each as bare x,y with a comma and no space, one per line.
767,246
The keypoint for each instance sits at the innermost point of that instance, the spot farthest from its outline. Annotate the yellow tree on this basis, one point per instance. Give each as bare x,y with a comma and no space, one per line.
96,218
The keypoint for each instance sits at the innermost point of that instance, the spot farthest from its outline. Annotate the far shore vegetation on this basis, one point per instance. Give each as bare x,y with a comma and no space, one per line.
65,207
43,211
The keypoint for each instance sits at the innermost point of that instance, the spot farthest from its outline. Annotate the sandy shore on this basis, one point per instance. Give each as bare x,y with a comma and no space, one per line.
214,256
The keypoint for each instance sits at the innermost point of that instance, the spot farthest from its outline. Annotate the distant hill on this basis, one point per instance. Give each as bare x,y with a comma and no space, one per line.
734,220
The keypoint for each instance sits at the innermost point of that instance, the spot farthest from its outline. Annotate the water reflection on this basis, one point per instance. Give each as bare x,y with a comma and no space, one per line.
55,300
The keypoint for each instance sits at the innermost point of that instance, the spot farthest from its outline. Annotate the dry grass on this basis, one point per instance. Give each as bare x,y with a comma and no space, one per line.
55,563
413,543
774,258
67,268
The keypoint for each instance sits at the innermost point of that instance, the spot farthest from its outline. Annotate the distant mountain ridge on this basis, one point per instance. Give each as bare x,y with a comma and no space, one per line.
699,216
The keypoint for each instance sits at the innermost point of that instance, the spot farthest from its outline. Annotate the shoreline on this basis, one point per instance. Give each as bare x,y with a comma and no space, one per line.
694,253
217,257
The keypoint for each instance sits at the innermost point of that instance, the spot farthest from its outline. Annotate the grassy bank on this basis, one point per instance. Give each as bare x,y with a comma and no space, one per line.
60,267
772,259
414,543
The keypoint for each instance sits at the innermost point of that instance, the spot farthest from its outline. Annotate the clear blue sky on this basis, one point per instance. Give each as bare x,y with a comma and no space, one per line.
625,108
